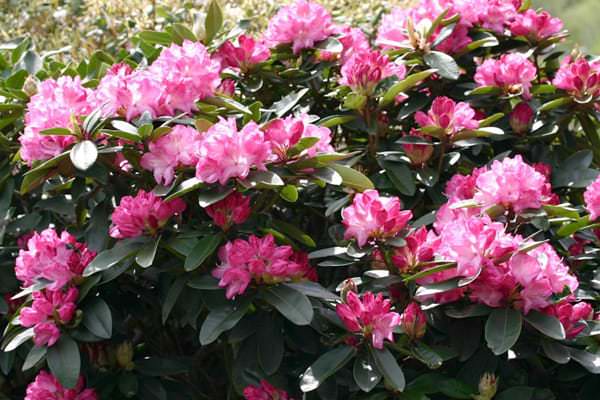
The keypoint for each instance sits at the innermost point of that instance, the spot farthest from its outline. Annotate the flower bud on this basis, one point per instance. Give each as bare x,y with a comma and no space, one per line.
488,384
413,321
348,286
521,118
30,86
125,356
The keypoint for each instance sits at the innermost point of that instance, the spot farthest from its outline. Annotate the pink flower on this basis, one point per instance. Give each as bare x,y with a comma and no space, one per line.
370,317
495,287
592,199
52,257
226,88
571,316
374,217
495,14
265,391
233,209
171,151
513,73
364,70
449,296
144,213
283,134
462,187
49,310
187,73
300,24
418,153
579,77
420,247
536,26
47,387
53,106
259,260
354,41
521,118
245,55
447,115
413,321
511,183
225,152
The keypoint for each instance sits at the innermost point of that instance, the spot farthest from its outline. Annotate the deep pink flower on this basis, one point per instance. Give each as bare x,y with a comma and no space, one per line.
265,391
373,217
354,41
233,209
495,287
571,316
47,387
592,199
226,88
447,115
245,55
496,14
418,153
413,321
462,187
420,247
284,133
535,26
449,296
144,213
369,316
49,256
168,152
300,24
226,153
187,73
521,118
579,77
364,70
512,72
511,183
53,106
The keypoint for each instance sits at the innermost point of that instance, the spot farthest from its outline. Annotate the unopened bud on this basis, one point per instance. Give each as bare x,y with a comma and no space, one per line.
125,356
413,321
348,286
30,86
488,384
521,118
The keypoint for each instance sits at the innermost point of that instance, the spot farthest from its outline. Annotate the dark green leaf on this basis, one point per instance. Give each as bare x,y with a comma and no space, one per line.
502,329
353,178
405,84
97,318
64,361
84,154
547,324
291,303
110,257
34,356
172,296
213,22
327,365
221,320
145,257
205,247
446,65
389,368
366,374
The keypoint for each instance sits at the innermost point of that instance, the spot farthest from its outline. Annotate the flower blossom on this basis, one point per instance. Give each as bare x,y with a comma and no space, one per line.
535,26
592,199
372,216
413,321
513,73
233,209
497,14
284,133
224,152
370,316
54,105
300,24
571,316
171,151
364,70
420,247
447,115
47,387
52,257
354,41
49,310
259,260
245,55
144,213
264,391
580,78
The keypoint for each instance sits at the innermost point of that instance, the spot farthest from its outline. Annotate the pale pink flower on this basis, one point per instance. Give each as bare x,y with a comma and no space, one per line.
511,183
364,70
369,316
580,78
143,214
47,387
284,133
449,116
592,199
372,216
187,73
300,24
52,257
496,14
535,26
171,151
53,106
354,41
571,316
226,153
521,118
245,55
265,391
233,209
512,72
413,321
420,247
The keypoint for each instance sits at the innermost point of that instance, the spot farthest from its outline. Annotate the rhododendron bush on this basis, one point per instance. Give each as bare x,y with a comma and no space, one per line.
402,210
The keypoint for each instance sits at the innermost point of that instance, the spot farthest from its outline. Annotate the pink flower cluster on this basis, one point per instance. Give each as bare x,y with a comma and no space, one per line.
259,260
449,116
570,316
53,106
364,70
535,26
301,24
579,77
284,133
233,209
245,55
47,387
420,247
513,73
592,199
143,214
265,391
372,216
370,317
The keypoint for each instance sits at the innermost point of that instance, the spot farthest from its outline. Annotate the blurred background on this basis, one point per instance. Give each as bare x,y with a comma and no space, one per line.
79,27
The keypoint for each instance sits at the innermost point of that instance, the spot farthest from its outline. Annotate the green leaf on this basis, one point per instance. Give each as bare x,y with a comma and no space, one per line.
34,356
228,103
446,65
97,318
403,85
56,132
126,127
366,374
145,257
389,368
221,320
172,296
64,361
18,340
291,303
270,343
327,365
258,179
516,393
353,178
303,144
590,361
456,389
289,193
355,101
294,232
328,175
328,252
552,104
184,32
213,21
162,38
502,329
205,247
426,355
335,120
110,257
547,324
401,177
209,197
312,289
185,187
204,282
288,102
84,154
